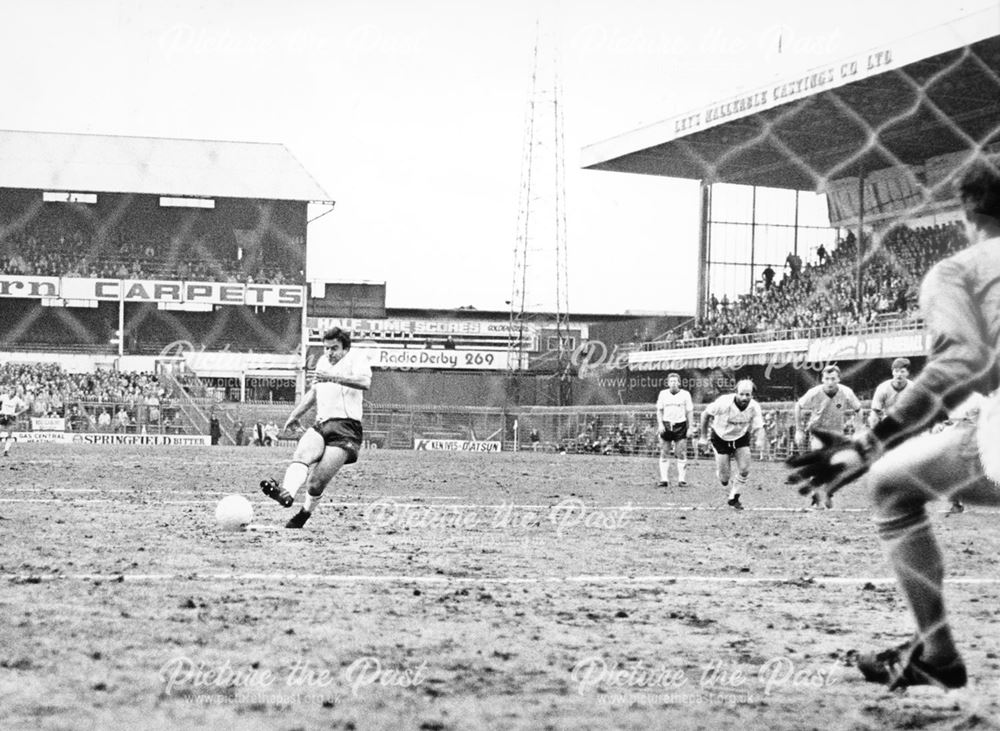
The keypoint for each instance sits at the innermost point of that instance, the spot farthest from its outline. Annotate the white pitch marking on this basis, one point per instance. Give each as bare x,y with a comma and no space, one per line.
70,502
438,579
597,507
148,491
153,498
154,501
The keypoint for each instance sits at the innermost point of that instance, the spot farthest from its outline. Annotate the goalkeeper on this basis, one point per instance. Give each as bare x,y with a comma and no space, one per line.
960,302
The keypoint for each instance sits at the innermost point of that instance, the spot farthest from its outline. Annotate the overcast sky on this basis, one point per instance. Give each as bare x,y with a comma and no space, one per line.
411,114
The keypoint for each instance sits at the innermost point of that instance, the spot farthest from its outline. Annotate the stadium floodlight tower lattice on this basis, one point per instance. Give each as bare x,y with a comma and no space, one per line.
539,290
882,133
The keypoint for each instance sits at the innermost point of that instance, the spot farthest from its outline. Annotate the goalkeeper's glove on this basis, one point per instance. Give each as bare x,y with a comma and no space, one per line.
838,461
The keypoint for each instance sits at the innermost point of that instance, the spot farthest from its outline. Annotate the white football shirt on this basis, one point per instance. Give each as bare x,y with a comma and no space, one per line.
673,408
334,401
730,422
11,404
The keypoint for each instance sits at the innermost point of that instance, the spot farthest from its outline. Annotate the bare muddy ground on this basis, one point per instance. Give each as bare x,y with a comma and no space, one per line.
440,590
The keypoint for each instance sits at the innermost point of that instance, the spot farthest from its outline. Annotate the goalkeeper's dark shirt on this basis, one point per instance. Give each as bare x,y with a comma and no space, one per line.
960,303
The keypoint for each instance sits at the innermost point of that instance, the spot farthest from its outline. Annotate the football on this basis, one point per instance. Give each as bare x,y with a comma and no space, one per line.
234,512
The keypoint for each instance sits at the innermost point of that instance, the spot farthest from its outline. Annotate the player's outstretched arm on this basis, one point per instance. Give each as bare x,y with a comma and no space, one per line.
706,418
800,435
874,417
362,383
961,362
300,409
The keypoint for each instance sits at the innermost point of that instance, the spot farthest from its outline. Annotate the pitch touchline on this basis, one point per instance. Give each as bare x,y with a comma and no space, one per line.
438,579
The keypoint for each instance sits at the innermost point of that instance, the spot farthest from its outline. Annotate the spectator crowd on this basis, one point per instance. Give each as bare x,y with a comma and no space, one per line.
97,401
53,246
824,296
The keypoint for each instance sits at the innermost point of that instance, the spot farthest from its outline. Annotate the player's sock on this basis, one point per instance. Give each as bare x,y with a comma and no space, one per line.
295,478
682,464
916,559
740,483
311,500
7,445
664,469
733,491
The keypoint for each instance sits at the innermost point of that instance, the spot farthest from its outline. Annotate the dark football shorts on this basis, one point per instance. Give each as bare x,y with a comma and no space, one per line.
7,420
721,446
343,433
675,433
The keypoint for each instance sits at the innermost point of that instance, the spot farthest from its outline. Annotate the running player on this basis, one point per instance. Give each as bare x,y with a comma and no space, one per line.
888,391
342,377
11,407
675,414
828,404
736,419
960,303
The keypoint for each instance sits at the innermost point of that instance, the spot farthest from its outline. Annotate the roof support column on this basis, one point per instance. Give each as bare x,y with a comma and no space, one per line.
704,245
753,237
859,257
795,229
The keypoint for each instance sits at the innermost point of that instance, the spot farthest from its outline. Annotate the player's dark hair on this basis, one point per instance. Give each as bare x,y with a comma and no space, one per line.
335,333
979,189
831,369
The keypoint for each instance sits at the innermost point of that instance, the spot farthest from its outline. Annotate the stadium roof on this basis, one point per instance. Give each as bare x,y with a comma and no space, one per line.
153,165
933,93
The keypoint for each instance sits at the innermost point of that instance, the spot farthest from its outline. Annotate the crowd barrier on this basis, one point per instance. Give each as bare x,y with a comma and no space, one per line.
84,417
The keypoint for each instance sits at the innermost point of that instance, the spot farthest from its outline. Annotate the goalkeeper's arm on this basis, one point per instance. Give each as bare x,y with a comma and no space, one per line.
838,461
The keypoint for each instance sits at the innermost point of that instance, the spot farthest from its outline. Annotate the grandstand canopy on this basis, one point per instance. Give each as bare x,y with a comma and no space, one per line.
933,93
154,166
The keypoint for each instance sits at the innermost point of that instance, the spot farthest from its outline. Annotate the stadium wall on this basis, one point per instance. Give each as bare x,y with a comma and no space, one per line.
624,429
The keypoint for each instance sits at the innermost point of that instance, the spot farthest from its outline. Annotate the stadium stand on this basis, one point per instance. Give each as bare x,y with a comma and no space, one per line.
68,241
821,301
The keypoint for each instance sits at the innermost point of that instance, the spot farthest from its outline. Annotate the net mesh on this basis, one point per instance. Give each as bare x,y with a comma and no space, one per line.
135,237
